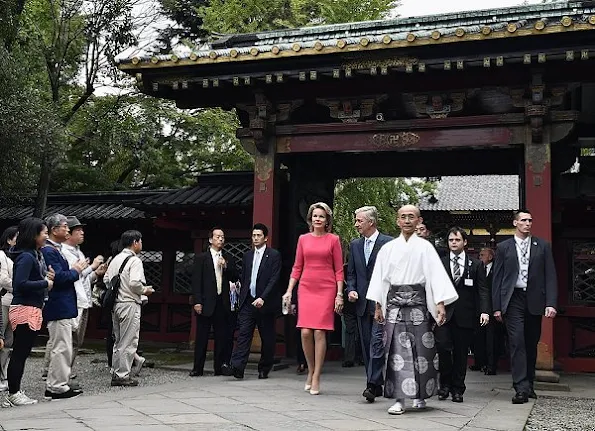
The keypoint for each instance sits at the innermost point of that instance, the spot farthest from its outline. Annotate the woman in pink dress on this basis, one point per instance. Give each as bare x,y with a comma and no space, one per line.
319,269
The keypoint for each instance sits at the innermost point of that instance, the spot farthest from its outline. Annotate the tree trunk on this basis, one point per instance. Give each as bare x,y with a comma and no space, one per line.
43,187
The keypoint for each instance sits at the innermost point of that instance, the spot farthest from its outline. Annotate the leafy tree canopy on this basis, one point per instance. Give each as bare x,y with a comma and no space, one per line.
386,194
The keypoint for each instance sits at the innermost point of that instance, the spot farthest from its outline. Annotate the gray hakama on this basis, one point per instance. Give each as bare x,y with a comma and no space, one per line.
412,359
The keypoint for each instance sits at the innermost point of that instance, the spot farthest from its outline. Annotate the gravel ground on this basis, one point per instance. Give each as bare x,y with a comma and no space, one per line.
93,376
562,414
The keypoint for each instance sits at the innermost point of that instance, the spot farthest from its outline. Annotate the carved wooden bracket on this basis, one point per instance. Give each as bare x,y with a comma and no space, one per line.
263,115
537,104
353,110
437,105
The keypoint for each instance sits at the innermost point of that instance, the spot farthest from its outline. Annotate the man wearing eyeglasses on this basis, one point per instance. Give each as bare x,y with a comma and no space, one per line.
524,289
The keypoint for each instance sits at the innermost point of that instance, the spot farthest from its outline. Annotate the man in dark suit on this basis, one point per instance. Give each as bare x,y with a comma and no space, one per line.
524,289
260,302
455,336
213,271
487,339
362,257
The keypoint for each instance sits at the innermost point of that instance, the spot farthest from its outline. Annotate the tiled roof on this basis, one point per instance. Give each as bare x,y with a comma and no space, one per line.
215,190
475,25
474,193
86,206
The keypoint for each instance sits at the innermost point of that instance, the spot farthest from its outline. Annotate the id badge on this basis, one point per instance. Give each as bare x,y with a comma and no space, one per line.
469,282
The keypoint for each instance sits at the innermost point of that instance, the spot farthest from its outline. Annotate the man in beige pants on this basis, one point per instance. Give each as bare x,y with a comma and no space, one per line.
60,309
126,312
83,286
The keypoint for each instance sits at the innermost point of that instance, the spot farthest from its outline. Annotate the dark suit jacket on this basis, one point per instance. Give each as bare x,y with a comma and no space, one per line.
359,274
204,282
267,279
473,300
542,286
489,282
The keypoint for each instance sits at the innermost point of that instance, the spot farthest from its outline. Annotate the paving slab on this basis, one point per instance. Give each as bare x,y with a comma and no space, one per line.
224,403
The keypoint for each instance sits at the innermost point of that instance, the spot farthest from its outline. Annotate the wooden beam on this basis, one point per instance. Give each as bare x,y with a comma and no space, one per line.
372,141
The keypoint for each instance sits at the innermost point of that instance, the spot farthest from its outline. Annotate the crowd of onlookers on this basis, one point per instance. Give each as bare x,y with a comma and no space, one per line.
47,278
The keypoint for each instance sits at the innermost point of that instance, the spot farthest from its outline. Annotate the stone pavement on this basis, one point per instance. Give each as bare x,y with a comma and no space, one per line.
223,403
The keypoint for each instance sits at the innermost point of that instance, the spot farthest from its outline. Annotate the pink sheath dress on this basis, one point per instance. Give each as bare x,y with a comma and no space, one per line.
318,266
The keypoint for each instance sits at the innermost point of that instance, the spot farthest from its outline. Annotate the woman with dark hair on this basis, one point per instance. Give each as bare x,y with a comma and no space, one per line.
7,241
30,281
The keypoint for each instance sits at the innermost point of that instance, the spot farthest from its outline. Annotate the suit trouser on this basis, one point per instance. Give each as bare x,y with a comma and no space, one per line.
248,318
126,321
371,335
78,334
487,344
8,338
453,344
60,356
524,330
221,320
352,344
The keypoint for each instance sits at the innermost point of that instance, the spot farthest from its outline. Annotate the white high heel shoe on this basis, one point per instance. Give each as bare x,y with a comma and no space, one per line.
307,387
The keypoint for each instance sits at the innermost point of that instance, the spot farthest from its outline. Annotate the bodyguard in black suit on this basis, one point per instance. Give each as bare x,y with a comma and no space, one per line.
455,336
488,338
260,303
213,271
524,289
362,257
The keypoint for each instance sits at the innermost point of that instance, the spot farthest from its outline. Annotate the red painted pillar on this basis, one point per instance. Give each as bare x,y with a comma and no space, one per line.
538,196
265,193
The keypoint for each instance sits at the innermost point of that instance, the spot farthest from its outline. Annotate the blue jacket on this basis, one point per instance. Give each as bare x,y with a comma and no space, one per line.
28,280
61,302
359,273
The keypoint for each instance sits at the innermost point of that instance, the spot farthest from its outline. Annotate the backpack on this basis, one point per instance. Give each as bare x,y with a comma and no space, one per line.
112,288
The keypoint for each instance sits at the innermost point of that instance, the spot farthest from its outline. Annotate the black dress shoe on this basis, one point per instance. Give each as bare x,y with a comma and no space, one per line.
520,398
369,394
475,367
443,394
226,370
457,398
262,375
532,394
195,373
490,372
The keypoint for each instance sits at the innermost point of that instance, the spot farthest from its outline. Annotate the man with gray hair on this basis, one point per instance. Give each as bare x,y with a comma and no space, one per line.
362,257
60,309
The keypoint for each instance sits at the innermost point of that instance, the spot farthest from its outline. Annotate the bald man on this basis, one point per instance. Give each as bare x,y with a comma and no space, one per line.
409,283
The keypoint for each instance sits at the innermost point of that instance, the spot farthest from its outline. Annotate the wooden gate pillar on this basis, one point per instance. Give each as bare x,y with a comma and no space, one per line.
538,196
538,199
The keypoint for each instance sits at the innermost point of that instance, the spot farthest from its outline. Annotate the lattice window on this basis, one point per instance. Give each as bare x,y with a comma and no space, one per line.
237,248
153,265
583,273
183,272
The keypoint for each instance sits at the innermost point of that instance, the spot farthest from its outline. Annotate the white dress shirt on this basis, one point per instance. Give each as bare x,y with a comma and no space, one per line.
489,268
258,253
518,242
461,261
218,270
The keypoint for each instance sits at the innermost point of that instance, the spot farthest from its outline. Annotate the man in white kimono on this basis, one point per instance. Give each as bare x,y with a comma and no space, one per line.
411,288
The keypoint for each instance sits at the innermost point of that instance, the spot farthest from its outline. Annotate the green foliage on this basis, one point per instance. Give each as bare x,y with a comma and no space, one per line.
386,194
135,141
28,127
248,16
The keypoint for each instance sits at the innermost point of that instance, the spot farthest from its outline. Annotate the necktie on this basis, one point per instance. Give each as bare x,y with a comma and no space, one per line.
255,265
367,249
456,274
218,275
524,267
